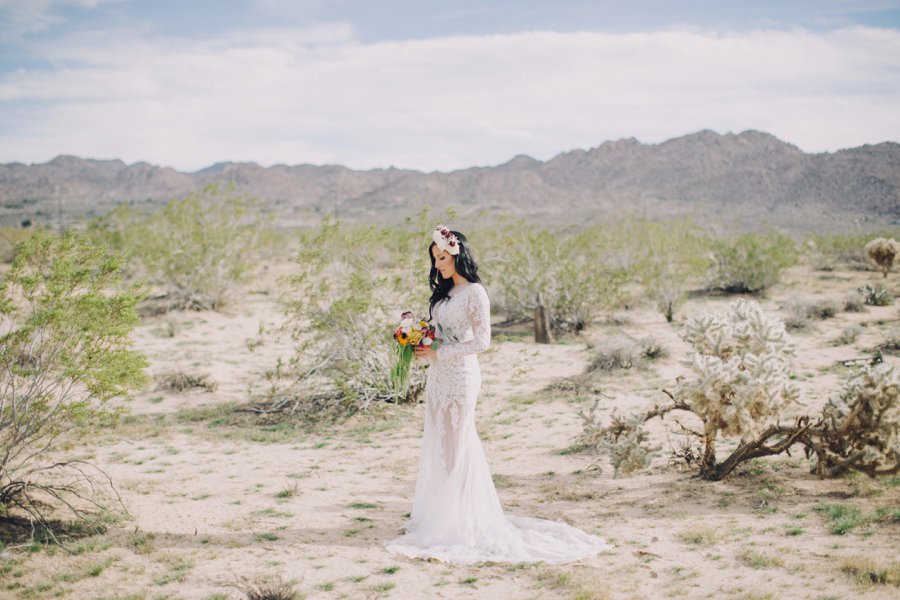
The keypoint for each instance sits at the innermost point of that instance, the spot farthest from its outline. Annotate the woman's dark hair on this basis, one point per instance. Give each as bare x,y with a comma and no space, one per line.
465,266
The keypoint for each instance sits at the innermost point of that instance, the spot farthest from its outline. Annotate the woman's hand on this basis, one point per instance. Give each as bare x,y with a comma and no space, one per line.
425,352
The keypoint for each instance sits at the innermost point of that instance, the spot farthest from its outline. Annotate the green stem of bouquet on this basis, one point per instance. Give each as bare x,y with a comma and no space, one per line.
400,369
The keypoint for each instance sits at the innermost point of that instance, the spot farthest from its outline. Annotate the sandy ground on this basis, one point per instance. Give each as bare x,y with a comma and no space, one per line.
213,504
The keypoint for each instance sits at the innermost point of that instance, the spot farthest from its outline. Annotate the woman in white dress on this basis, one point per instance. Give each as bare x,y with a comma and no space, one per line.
456,514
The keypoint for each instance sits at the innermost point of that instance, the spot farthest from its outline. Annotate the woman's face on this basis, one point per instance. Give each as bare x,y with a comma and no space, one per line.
444,262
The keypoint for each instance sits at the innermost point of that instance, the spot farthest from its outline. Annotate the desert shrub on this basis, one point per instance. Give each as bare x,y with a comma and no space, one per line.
861,428
750,263
796,315
10,238
854,301
65,321
875,295
867,571
350,285
568,270
827,252
799,313
849,334
891,342
614,355
179,381
672,257
652,349
274,590
883,252
200,248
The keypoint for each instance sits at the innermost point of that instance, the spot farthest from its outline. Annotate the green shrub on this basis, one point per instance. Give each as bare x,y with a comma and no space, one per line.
671,257
350,285
10,238
568,271
750,263
827,252
200,247
65,322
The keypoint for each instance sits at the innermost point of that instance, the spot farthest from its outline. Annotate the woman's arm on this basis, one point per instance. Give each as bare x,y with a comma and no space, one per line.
478,307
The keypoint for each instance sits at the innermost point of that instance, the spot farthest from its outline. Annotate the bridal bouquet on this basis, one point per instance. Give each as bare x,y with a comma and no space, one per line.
412,332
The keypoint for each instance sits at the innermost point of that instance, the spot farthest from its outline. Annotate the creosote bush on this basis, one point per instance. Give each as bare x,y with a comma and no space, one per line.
200,248
883,252
350,286
750,263
827,252
671,258
10,238
569,271
65,324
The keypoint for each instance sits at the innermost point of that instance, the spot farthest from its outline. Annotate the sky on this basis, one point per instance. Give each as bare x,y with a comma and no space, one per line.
429,85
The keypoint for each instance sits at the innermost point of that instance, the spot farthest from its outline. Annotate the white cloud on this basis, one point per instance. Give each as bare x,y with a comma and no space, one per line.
317,95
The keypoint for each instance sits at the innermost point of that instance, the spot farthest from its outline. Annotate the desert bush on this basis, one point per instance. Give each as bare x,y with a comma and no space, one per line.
883,252
854,301
179,381
849,334
351,284
575,279
827,252
652,349
672,257
10,238
65,321
891,342
273,590
613,355
799,313
875,295
200,248
750,263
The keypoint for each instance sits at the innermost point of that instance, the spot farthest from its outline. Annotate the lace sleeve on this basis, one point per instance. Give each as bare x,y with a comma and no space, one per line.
478,309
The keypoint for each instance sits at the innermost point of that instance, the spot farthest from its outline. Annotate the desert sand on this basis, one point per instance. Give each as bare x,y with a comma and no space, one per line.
217,499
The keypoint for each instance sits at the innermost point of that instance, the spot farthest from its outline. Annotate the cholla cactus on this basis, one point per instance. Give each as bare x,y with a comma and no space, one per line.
883,252
741,364
861,429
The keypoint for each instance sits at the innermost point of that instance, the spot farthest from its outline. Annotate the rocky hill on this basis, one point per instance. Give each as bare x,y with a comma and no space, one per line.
751,175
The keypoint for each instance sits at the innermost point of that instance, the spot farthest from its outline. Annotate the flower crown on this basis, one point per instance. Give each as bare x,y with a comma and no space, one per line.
445,240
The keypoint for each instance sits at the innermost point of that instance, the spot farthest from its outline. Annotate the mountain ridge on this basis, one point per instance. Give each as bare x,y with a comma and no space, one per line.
748,173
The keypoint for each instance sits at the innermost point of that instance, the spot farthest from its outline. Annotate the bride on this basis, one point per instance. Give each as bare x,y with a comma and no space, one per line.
456,514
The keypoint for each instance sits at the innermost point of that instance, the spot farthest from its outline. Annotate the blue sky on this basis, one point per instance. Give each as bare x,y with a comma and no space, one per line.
435,85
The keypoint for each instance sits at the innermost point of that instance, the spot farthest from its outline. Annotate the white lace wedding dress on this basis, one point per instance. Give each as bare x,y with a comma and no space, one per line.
456,515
